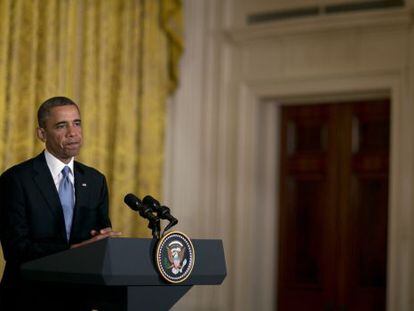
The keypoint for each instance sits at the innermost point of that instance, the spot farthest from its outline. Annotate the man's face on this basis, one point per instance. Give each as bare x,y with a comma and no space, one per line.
62,132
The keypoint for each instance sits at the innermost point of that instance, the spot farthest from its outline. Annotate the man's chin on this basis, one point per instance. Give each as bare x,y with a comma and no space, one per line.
72,152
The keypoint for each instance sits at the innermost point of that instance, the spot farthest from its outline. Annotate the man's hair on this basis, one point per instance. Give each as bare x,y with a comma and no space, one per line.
44,110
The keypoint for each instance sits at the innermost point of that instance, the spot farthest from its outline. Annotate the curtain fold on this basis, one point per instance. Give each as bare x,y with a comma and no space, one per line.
118,59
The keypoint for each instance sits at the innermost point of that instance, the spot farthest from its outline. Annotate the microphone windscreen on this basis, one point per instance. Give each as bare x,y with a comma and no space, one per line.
132,201
149,200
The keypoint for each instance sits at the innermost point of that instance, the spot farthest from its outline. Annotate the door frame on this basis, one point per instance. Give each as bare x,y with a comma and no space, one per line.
257,169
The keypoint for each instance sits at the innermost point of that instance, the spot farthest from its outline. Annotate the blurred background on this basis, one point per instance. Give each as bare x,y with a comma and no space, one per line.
284,128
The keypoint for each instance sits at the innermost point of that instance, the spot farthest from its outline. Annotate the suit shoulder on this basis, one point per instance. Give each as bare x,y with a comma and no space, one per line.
89,170
18,169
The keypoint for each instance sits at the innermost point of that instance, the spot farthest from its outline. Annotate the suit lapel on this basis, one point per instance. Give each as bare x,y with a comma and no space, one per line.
44,182
82,195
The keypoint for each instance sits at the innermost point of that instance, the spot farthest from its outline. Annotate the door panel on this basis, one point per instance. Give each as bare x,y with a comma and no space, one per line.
333,206
307,218
367,233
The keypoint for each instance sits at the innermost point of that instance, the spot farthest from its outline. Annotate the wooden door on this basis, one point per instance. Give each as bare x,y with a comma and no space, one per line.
333,207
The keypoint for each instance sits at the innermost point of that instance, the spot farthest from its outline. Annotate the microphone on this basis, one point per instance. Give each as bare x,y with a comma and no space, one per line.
163,211
135,204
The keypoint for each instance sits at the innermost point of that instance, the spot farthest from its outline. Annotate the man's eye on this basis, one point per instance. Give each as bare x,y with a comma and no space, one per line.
60,126
78,123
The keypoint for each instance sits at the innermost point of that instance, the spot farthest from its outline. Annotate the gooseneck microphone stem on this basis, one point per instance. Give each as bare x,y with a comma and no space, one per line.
163,212
171,224
155,227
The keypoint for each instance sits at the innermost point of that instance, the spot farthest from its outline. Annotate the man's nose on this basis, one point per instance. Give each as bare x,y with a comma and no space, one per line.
71,130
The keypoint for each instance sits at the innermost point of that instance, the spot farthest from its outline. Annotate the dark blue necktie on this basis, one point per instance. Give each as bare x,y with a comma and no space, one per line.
66,199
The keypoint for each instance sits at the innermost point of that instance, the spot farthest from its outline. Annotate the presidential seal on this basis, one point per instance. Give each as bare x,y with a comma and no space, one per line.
175,257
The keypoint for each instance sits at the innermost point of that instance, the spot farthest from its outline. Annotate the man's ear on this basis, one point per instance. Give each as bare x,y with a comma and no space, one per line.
41,134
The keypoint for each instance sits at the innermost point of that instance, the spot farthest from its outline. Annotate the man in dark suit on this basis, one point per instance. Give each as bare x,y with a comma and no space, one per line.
51,203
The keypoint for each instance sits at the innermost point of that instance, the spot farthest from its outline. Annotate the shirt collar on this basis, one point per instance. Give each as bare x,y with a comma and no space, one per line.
55,165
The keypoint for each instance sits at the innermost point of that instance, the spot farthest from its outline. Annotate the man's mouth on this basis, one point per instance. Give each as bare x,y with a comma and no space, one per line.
72,144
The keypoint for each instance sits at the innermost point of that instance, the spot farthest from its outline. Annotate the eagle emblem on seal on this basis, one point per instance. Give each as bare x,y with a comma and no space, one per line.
176,253
175,257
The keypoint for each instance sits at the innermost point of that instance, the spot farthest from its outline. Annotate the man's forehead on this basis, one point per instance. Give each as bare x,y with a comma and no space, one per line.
64,112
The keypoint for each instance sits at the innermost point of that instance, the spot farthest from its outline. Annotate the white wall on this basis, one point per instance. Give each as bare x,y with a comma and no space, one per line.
221,168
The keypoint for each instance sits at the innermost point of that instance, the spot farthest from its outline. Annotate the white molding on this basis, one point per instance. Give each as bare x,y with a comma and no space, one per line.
390,19
369,84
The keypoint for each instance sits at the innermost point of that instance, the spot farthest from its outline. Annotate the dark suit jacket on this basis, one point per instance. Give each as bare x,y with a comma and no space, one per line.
31,220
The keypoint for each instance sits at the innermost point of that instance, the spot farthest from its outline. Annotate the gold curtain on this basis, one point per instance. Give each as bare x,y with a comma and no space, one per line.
118,60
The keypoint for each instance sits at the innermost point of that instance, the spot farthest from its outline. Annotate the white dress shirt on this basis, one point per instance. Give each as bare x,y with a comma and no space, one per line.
56,166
